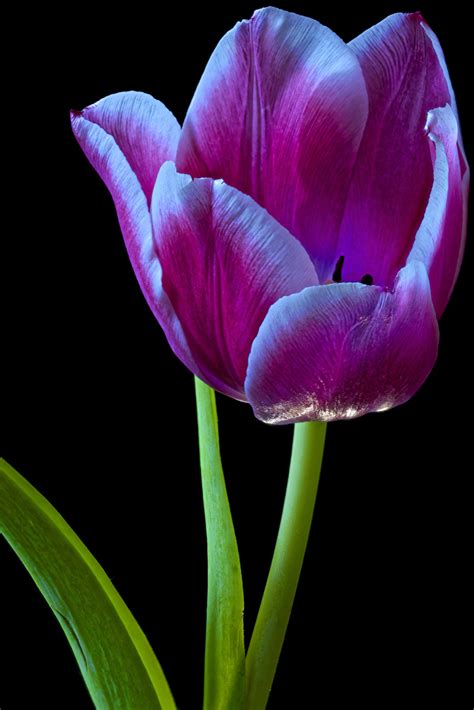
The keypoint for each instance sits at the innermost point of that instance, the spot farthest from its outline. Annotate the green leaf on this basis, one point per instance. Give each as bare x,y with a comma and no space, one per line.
116,661
224,675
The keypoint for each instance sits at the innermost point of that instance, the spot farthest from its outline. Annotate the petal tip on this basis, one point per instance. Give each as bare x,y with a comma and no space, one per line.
416,16
168,173
76,119
74,115
441,121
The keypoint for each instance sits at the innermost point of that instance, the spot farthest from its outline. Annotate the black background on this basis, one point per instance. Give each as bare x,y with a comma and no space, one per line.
100,416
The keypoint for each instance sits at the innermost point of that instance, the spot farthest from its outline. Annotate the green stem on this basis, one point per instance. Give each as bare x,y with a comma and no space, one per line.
224,673
273,616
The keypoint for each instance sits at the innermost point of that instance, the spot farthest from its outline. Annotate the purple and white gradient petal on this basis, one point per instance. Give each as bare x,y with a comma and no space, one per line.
299,236
225,261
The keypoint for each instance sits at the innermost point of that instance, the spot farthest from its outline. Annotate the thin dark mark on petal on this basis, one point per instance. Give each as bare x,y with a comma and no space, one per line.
337,275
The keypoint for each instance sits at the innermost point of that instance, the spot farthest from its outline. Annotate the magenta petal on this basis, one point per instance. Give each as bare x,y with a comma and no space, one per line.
342,350
279,114
225,261
393,174
107,157
439,242
145,131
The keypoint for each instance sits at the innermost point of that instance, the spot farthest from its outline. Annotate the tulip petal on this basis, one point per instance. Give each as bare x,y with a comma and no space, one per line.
279,114
103,147
393,174
143,128
439,242
339,351
442,61
225,261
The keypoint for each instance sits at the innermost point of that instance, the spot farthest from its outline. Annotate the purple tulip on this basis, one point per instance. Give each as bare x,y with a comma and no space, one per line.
298,238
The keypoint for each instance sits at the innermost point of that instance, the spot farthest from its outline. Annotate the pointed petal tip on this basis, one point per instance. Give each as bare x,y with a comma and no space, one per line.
74,116
416,16
168,166
261,12
422,20
268,8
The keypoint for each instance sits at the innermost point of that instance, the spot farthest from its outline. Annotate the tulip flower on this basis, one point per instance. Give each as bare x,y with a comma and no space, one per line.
300,236
298,239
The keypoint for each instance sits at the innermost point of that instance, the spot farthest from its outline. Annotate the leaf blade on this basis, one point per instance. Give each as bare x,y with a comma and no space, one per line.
113,654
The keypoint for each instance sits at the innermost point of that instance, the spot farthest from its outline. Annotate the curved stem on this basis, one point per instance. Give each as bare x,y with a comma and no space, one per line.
224,673
275,609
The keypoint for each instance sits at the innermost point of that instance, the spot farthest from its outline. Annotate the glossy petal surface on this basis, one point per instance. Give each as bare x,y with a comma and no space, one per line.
340,351
144,130
393,174
279,114
439,242
225,261
109,148
302,162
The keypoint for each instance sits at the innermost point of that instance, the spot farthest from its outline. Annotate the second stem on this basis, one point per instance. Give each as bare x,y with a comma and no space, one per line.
275,609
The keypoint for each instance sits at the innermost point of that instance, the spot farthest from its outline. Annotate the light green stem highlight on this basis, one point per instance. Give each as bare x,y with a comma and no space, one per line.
114,656
224,675
272,621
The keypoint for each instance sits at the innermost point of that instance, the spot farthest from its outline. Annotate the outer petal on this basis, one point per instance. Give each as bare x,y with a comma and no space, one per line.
464,167
393,174
225,261
340,351
439,53
145,131
439,242
279,114
103,147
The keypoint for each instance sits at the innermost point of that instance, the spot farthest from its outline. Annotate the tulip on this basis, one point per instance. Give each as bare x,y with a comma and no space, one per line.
300,236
